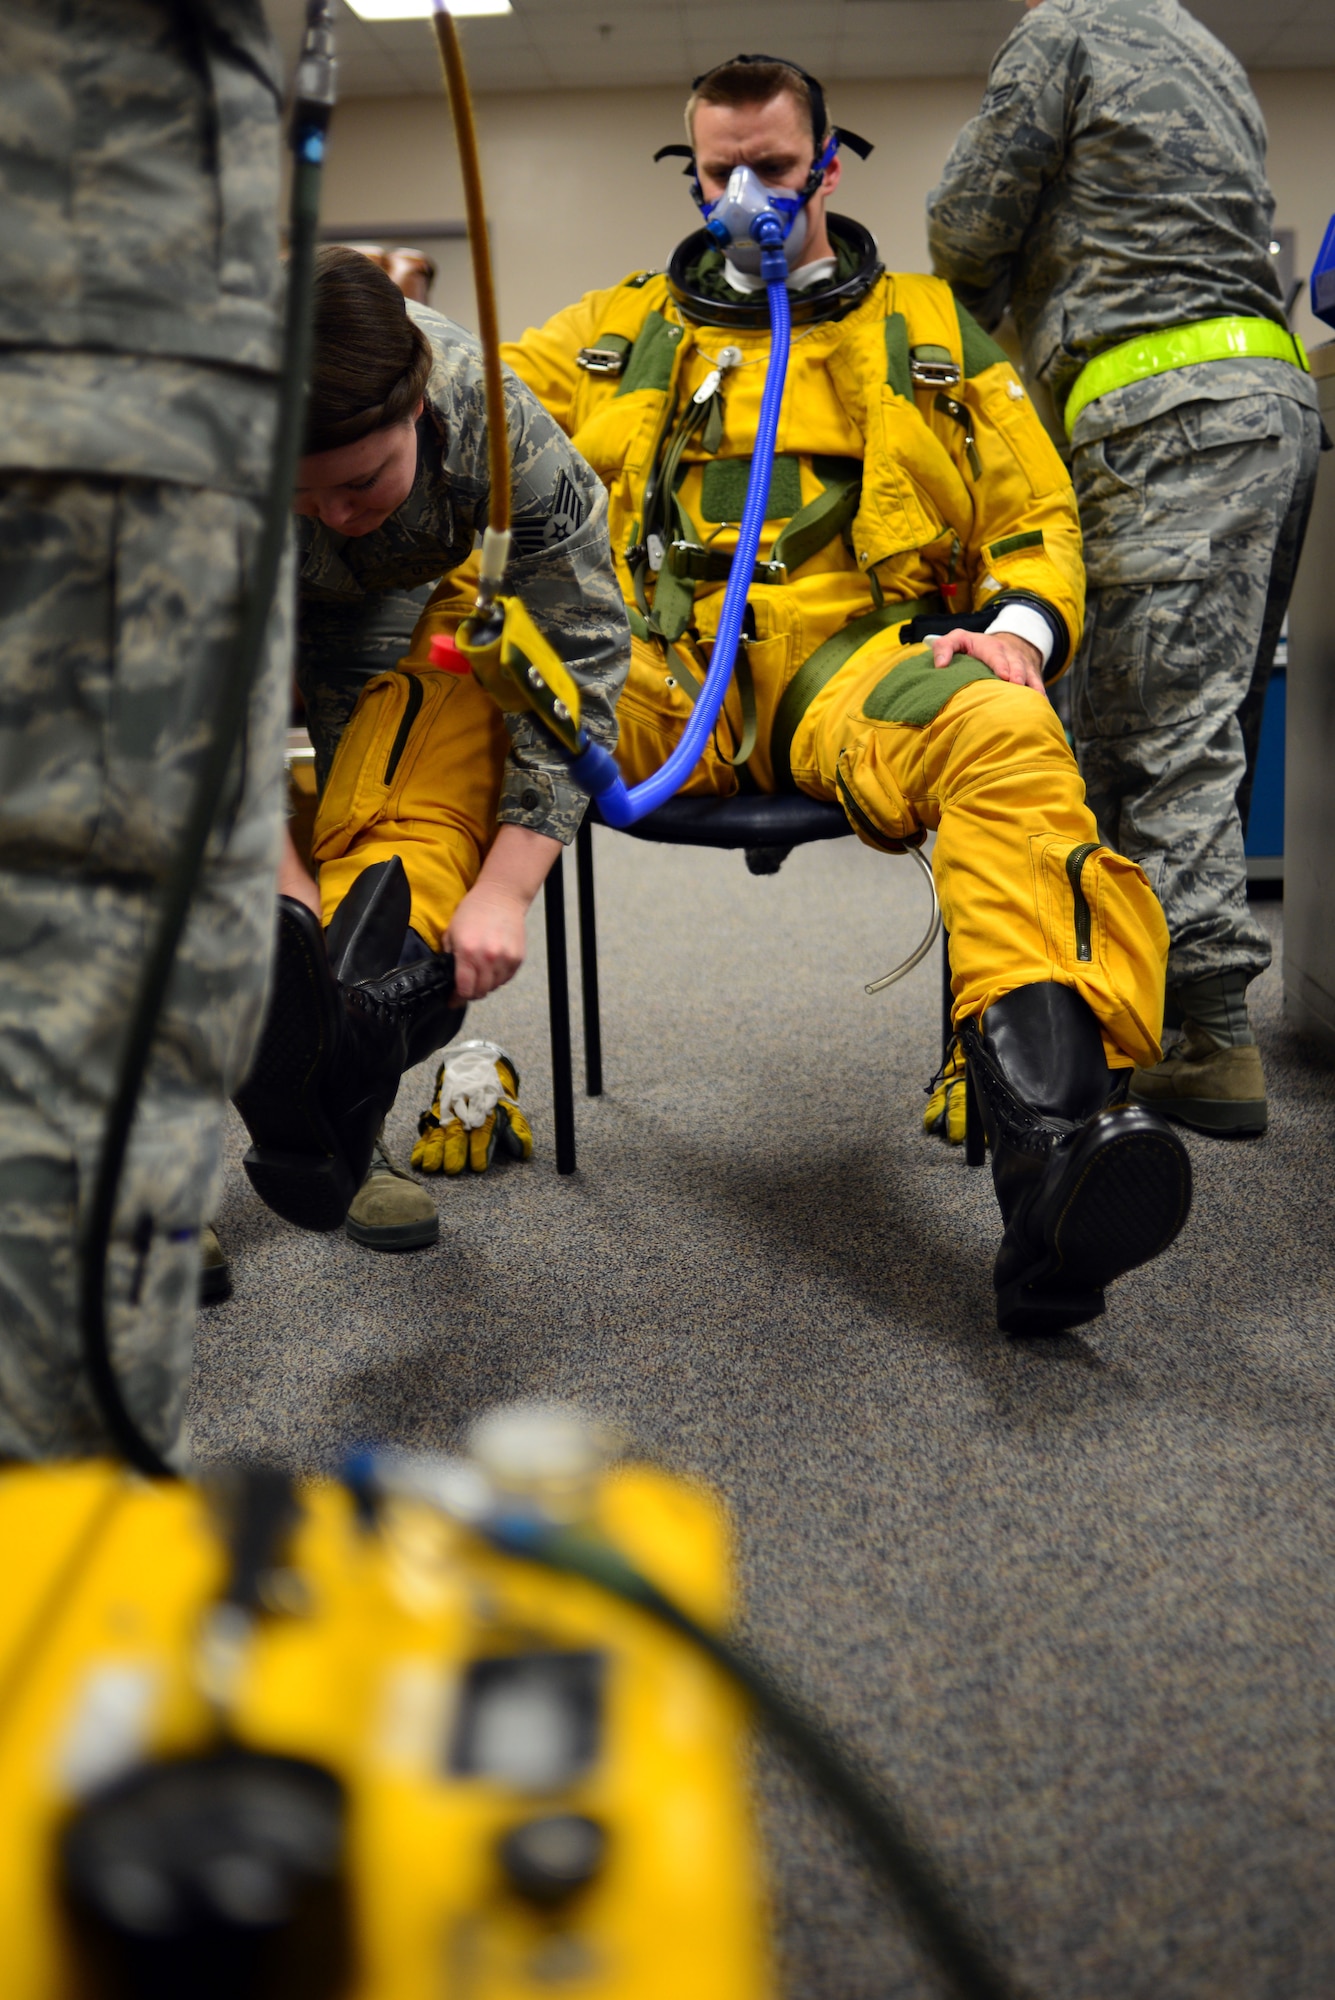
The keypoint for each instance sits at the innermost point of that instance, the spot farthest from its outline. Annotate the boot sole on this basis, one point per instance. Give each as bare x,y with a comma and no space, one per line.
310,1193
215,1284
1125,1198
394,1235
1222,1117
296,1165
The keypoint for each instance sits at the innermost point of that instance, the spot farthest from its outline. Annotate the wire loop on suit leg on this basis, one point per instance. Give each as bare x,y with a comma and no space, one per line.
929,938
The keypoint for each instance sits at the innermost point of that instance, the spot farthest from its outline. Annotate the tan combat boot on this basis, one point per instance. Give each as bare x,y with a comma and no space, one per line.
390,1211
1212,1088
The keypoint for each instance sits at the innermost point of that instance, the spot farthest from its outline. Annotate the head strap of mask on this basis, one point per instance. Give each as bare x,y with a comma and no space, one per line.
786,204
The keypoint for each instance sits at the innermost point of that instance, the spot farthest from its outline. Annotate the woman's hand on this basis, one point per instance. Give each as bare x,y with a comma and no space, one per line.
486,932
486,935
1010,657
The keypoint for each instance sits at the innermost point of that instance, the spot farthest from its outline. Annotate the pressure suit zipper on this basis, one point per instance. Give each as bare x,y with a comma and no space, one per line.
961,415
412,704
1075,865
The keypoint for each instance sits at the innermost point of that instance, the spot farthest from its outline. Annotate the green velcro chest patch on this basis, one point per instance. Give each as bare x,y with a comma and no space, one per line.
651,358
723,489
1032,540
980,350
915,691
897,372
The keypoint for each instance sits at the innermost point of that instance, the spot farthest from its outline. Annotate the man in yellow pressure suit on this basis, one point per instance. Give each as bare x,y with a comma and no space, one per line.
919,582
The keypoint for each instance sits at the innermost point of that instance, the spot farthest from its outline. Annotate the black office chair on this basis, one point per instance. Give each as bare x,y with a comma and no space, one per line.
767,829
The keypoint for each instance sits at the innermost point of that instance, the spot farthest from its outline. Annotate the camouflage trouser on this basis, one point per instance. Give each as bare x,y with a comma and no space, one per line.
1193,523
118,603
340,647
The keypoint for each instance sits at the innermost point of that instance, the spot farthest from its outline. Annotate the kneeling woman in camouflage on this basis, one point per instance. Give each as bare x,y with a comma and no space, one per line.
426,873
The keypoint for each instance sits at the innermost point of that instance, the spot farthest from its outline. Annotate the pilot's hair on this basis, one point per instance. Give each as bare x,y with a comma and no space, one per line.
370,362
750,83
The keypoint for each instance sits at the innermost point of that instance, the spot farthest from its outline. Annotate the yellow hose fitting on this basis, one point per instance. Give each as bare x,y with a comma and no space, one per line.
520,669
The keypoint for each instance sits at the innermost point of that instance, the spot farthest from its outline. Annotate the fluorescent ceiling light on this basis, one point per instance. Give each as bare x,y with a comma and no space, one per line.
421,10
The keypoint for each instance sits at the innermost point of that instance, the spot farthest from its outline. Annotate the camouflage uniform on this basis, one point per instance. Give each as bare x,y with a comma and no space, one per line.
1114,183
139,344
355,600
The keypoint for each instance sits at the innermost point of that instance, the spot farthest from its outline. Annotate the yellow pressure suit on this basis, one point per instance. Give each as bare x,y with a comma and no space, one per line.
912,476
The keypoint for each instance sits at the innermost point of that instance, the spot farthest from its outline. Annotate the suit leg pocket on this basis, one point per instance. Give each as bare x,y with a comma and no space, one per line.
1104,929
376,756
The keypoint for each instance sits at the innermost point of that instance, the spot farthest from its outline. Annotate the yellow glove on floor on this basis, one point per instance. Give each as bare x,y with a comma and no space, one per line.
474,1110
946,1107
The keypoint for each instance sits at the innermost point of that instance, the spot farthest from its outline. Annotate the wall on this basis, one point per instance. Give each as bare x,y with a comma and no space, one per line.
574,197
576,201
1298,109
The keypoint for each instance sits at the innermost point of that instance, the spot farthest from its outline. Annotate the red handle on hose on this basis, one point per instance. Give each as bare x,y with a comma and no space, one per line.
446,655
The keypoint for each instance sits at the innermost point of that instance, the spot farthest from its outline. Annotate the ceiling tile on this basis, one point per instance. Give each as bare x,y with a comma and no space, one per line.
547,44
583,31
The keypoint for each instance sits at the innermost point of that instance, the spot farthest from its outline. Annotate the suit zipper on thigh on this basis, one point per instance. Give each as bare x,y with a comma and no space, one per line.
1075,864
412,704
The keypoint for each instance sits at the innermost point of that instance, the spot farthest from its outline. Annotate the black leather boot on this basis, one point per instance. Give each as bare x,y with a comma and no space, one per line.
328,1066
369,926
1089,1185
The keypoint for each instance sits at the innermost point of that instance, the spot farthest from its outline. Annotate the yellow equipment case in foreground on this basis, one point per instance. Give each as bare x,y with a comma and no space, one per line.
258,1740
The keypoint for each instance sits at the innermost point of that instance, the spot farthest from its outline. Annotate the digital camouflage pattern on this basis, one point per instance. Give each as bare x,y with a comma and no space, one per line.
1113,182
138,153
561,566
1193,523
103,679
140,293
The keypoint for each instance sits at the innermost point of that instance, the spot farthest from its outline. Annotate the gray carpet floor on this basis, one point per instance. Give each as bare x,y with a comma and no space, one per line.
1073,1602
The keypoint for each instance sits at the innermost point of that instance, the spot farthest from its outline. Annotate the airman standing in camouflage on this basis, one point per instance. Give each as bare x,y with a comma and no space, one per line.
1112,193
139,350
425,876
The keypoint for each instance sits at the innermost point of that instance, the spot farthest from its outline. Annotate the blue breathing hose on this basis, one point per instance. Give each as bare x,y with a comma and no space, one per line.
595,768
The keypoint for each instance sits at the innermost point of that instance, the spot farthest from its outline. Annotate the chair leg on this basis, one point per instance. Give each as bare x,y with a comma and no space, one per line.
588,961
558,1012
947,1028
975,1139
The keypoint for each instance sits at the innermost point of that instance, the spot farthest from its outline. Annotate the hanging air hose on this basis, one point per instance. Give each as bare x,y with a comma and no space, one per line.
496,540
313,101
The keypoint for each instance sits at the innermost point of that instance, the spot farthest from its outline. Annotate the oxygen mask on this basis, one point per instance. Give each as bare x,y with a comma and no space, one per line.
750,217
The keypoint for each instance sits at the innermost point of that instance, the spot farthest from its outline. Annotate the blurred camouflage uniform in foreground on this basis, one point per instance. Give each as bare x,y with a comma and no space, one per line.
139,342
1114,184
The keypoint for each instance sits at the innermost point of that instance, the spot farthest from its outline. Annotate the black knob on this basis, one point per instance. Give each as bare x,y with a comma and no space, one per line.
548,1859
212,1876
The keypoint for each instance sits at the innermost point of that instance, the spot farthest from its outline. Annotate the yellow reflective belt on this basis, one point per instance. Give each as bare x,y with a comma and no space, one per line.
1180,347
